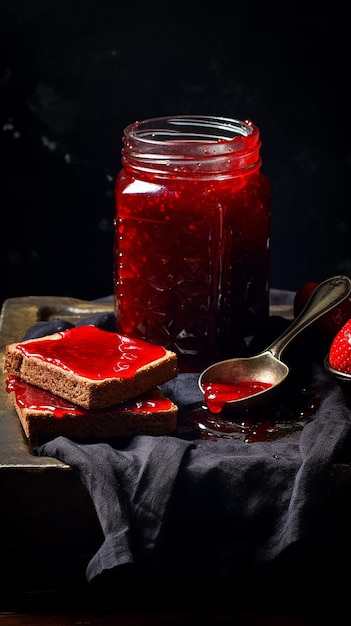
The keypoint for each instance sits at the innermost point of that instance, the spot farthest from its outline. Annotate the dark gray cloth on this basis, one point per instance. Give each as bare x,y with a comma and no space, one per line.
211,507
206,506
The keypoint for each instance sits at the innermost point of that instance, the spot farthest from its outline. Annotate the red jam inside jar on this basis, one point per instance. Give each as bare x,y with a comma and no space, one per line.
192,226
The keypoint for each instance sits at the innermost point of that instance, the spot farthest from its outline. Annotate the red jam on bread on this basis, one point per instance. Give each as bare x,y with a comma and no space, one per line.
31,397
93,353
91,367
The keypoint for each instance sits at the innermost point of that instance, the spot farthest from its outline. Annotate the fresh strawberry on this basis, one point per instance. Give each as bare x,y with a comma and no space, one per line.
340,350
330,323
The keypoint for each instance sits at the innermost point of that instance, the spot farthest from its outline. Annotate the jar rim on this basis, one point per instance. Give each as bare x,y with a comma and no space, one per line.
172,129
185,144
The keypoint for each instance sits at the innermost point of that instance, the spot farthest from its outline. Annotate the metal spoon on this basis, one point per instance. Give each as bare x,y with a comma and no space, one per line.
266,367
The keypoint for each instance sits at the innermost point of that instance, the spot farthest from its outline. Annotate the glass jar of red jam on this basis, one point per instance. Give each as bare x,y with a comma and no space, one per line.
192,227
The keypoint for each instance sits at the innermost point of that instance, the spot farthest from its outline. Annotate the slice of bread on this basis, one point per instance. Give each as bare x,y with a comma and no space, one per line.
91,367
44,416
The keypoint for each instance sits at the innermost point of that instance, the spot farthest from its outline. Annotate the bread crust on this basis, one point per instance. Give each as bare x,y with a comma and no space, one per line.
135,417
86,392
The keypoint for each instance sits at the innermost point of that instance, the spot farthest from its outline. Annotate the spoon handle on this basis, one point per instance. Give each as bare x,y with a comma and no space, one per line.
325,297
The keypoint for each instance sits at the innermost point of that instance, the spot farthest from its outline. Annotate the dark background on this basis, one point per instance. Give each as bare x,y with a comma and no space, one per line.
74,73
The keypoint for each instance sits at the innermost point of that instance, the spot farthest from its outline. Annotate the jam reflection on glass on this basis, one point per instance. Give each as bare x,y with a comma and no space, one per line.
191,263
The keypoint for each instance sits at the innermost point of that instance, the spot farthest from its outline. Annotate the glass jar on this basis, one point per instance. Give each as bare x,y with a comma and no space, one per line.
192,227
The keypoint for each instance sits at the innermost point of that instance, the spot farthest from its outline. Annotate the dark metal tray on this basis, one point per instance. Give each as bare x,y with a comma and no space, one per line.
17,315
47,520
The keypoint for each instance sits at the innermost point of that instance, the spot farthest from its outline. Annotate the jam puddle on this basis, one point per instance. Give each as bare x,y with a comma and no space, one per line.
276,420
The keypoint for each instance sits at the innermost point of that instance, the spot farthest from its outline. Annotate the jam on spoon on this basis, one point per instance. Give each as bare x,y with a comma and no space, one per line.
217,394
267,367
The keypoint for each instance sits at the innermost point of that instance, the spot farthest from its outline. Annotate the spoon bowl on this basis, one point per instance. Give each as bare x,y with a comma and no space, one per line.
241,383
235,377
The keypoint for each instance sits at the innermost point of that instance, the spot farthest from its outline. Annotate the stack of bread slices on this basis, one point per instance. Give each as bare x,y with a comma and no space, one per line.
85,382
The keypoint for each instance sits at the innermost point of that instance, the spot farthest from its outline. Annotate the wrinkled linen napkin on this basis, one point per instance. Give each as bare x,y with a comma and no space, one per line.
214,507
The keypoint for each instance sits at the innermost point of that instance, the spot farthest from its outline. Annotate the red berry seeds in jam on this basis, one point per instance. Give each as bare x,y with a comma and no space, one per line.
192,226
190,263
